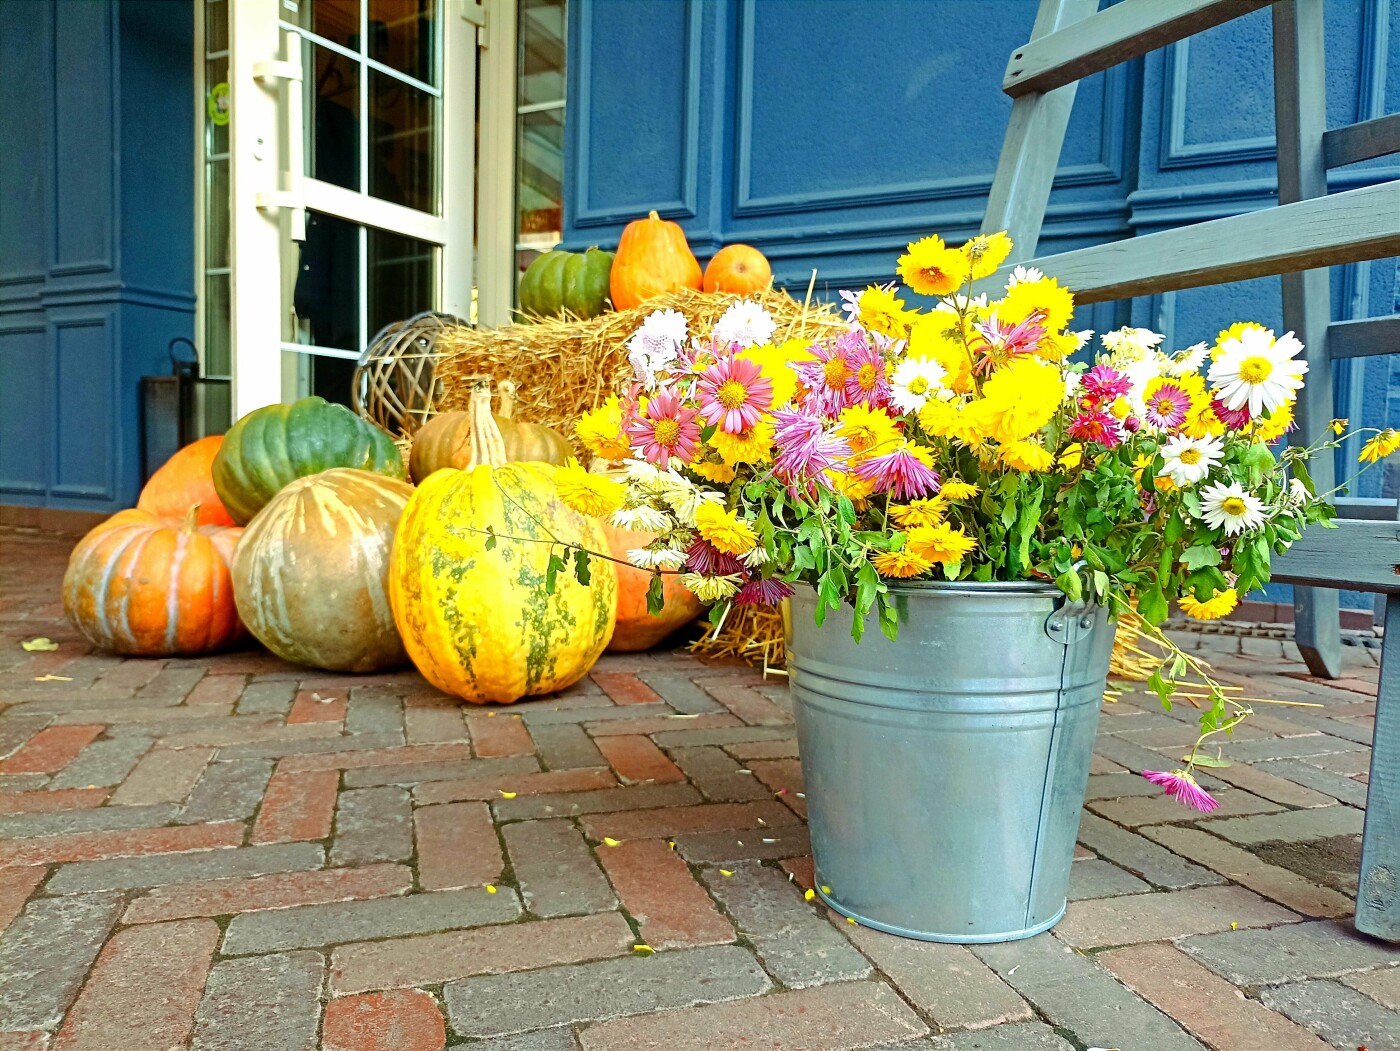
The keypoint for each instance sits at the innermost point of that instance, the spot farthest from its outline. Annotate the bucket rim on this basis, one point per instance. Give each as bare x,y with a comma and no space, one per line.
984,587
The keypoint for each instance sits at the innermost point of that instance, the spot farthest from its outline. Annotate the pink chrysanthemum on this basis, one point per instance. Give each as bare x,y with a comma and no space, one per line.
1097,426
1104,383
664,430
804,448
704,558
1021,338
868,383
903,474
1235,419
1167,407
827,376
1182,787
733,394
763,592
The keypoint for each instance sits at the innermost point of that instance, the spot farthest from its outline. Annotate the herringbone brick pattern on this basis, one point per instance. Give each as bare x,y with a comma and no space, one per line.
233,853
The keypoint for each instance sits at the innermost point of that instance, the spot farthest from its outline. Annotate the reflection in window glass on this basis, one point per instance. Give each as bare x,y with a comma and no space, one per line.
326,297
540,129
333,125
402,35
217,325
336,20
216,26
402,278
403,163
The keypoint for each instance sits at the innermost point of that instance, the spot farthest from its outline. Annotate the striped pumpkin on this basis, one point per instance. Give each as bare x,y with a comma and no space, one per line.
472,608
310,574
147,586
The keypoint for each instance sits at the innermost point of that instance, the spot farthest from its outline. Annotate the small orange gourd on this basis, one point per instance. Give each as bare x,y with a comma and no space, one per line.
652,259
738,268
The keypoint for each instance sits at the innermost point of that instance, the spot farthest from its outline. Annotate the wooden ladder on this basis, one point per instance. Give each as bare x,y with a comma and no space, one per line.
1309,231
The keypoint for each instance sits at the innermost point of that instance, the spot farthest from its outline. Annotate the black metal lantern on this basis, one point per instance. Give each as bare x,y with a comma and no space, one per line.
170,406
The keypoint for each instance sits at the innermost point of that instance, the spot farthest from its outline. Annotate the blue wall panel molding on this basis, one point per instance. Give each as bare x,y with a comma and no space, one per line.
96,237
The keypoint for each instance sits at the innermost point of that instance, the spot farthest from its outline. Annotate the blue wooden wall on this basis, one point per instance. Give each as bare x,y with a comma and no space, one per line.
96,237
830,133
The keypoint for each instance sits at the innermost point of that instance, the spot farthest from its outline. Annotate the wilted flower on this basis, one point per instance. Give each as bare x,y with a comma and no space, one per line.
1182,787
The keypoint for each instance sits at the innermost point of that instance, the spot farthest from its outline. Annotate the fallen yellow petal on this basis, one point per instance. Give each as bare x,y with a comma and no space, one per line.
505,794
490,888
826,889
671,843
608,841
41,643
1234,926
850,921
643,950
725,872
53,678
809,895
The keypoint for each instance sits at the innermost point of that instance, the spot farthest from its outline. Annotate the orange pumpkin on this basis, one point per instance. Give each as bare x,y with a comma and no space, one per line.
186,480
147,586
637,628
446,440
741,269
652,259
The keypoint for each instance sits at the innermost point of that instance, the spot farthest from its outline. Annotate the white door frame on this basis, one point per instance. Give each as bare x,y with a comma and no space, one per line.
269,193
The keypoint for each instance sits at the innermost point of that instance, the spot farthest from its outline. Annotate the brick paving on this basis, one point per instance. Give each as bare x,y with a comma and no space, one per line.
235,854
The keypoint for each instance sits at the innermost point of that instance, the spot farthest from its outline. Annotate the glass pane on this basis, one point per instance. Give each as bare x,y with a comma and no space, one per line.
403,130
333,127
216,209
330,378
215,106
540,174
336,20
216,26
402,278
217,325
403,34
326,295
541,51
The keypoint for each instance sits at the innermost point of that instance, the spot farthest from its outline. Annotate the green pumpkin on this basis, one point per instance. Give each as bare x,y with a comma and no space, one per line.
277,444
575,282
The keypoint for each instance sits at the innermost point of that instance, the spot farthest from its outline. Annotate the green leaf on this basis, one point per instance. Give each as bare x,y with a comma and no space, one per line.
1174,531
581,573
846,509
889,618
1152,604
656,595
1207,760
1070,584
1200,556
490,539
1259,460
552,571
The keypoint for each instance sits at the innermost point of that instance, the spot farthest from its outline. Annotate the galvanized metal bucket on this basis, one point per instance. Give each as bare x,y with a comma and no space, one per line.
945,772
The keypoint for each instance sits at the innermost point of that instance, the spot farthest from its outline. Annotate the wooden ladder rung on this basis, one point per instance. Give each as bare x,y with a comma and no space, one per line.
1364,337
1363,556
1324,231
1361,142
1124,31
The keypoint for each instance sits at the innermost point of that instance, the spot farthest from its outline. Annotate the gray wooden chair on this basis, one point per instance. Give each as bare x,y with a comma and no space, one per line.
1309,231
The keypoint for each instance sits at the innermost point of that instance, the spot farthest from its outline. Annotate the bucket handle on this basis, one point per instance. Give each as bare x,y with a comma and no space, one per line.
1071,622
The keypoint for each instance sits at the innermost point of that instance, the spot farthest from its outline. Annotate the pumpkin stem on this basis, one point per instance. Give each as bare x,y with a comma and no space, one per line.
191,522
653,215
505,390
486,444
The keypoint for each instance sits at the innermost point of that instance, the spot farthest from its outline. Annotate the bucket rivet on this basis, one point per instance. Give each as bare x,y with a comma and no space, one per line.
1086,622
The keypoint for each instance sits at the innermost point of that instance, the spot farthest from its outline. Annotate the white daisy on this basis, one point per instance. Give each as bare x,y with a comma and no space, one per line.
1081,338
745,323
1189,360
1029,274
646,477
1257,370
1132,343
656,557
685,501
1188,460
914,381
1298,492
653,348
711,589
1229,506
757,557
645,518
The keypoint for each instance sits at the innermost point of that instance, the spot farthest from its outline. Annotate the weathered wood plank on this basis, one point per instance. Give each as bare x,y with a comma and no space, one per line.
1124,31
1035,136
1361,142
1356,556
1378,893
1300,115
1343,228
1364,337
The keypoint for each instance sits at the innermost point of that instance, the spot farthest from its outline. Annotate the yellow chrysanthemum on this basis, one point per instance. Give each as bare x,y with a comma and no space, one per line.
940,543
926,512
880,310
1339,427
588,494
775,362
1027,456
1056,346
851,485
714,472
1381,446
870,432
754,445
1276,424
1201,421
900,564
1045,297
956,489
931,268
970,423
938,335
724,529
1072,456
600,430
1218,605
1023,397
1235,331
985,253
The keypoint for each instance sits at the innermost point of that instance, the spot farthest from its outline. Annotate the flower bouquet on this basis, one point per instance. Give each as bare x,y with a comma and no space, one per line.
961,443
